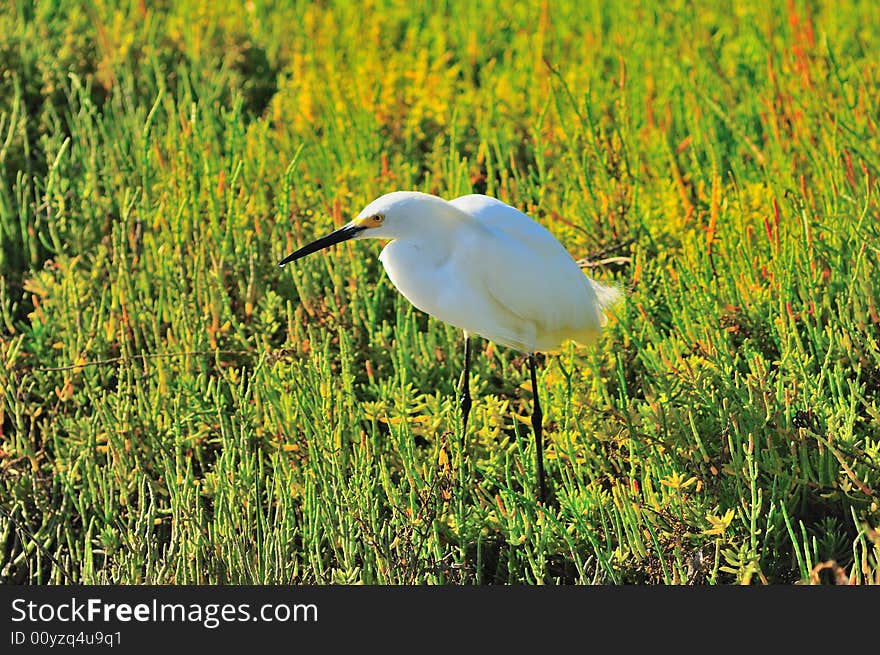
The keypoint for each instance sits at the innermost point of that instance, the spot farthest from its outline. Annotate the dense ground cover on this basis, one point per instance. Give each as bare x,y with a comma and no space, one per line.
175,409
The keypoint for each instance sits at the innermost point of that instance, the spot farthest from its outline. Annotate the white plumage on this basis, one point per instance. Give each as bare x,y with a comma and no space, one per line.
487,268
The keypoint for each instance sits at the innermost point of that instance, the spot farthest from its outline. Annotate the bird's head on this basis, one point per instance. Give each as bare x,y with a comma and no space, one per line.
388,217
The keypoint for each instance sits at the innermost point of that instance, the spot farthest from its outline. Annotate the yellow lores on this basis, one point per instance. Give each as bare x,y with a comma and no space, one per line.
486,268
374,220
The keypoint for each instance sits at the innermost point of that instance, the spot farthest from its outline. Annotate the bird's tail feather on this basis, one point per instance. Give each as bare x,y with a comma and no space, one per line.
607,296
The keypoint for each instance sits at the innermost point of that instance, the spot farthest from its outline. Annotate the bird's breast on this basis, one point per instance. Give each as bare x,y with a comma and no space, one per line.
417,273
447,287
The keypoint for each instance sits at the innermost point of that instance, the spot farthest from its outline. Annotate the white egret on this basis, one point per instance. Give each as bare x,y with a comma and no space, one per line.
486,268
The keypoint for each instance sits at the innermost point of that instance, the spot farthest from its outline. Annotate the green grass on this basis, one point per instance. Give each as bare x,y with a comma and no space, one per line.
176,409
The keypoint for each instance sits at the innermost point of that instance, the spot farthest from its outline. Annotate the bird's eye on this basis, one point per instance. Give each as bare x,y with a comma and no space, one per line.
378,218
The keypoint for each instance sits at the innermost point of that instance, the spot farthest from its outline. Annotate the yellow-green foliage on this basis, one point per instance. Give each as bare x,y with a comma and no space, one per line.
176,409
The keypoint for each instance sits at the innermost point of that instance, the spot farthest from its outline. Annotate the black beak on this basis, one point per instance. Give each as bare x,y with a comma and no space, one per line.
344,233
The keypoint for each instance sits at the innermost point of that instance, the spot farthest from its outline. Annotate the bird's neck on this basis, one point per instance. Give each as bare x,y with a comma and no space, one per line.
446,224
431,241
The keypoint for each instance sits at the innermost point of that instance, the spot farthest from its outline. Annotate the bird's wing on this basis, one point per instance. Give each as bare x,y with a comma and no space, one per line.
501,217
531,274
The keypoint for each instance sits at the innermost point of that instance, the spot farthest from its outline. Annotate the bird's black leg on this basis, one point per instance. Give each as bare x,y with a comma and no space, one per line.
465,399
537,417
